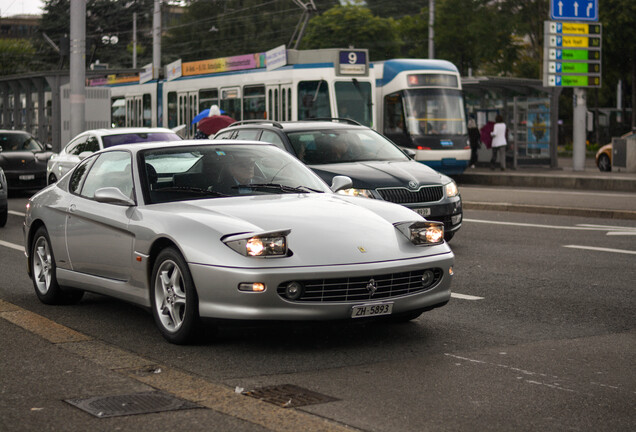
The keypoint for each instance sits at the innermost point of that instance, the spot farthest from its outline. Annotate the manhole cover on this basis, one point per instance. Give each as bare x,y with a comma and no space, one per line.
289,396
131,404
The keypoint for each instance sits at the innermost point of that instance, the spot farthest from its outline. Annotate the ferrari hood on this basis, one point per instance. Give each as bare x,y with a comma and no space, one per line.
378,174
326,229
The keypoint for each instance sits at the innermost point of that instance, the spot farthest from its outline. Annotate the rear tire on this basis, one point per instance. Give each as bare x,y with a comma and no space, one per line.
43,273
173,297
604,163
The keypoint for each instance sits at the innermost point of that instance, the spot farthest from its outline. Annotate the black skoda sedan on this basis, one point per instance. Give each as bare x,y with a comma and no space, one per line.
379,169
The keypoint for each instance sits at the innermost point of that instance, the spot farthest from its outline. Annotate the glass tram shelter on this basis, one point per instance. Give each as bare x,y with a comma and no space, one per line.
529,110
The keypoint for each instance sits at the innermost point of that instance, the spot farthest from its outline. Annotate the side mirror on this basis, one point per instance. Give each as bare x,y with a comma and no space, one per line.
112,195
48,146
409,152
341,182
83,155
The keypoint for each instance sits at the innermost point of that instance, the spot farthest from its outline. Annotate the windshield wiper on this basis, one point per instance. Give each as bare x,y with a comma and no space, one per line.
276,186
196,190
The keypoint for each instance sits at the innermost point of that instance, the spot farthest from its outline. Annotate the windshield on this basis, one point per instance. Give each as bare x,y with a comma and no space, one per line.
19,142
215,171
434,112
319,147
113,140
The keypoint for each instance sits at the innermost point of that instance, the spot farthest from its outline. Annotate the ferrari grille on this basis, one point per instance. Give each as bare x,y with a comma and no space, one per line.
406,196
363,288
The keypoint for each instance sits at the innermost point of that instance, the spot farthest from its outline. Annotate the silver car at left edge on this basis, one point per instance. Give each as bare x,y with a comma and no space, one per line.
229,230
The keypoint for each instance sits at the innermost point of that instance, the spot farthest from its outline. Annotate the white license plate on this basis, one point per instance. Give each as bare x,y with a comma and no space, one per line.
423,211
372,310
27,177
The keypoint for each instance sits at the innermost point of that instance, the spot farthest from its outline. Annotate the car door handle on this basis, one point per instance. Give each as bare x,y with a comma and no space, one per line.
72,208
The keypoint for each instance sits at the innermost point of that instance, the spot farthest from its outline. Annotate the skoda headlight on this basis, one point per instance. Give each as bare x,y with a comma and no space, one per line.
422,232
451,189
356,192
266,244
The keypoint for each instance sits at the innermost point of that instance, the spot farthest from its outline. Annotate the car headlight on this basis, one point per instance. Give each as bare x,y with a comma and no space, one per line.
422,232
266,244
451,189
366,193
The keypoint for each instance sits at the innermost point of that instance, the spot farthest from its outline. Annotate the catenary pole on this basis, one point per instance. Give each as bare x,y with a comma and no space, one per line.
77,73
156,40
431,29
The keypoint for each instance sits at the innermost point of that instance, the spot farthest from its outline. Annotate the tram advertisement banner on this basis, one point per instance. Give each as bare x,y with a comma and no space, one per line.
224,64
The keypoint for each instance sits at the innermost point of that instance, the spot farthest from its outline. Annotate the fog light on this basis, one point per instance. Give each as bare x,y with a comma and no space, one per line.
428,277
294,290
456,219
252,287
450,271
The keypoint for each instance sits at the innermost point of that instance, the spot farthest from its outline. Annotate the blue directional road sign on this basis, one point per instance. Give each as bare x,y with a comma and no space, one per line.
574,10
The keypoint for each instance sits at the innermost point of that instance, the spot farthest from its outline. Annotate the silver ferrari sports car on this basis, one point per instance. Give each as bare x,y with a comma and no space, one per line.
229,230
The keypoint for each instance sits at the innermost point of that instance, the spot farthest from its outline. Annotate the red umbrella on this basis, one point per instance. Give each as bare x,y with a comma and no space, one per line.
211,125
485,131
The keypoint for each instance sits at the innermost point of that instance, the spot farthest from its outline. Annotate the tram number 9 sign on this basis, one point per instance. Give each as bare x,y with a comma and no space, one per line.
353,62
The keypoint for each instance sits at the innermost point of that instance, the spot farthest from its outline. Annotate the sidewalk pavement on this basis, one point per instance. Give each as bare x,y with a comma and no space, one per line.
543,176
587,193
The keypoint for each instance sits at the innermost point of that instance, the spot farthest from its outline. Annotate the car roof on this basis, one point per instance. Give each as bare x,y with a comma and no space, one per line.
13,131
125,130
300,125
138,147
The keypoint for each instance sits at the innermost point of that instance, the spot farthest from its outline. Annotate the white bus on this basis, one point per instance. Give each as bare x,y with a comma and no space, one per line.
313,84
420,106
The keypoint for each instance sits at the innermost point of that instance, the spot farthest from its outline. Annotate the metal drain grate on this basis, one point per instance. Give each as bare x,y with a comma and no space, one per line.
131,404
289,396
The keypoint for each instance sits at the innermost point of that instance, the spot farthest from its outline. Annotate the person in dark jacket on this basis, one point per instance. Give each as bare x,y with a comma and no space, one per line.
474,136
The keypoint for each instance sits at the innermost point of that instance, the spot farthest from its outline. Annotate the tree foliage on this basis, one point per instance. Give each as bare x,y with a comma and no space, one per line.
15,56
356,26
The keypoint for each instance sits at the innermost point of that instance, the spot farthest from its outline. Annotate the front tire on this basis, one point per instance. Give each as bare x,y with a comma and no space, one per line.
52,179
4,215
43,273
173,297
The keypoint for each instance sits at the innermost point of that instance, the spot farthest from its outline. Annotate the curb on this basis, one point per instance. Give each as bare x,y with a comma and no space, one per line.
561,211
549,181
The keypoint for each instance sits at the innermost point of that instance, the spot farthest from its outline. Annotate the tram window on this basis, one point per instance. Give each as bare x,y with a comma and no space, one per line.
353,99
172,109
207,98
147,110
118,112
254,103
313,99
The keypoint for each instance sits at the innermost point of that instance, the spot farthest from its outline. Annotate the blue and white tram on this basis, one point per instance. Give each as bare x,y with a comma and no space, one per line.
420,106
312,84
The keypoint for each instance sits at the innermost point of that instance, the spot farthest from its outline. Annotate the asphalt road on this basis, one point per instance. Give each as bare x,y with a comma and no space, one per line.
540,335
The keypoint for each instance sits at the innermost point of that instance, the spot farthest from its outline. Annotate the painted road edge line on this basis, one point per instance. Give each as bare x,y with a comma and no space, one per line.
600,249
12,246
465,296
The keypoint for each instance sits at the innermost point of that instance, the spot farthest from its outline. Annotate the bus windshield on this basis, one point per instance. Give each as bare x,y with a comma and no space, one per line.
434,112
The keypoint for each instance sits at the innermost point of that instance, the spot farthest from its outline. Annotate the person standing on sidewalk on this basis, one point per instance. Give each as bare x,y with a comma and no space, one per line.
498,143
475,141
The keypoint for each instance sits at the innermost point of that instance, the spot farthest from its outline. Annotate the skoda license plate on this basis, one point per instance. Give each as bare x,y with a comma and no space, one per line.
27,177
425,211
372,310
